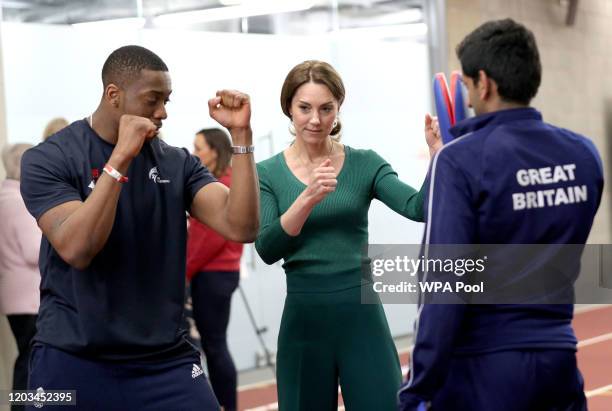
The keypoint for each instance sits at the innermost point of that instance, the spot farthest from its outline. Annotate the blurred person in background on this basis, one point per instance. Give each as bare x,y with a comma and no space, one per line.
213,270
19,273
53,126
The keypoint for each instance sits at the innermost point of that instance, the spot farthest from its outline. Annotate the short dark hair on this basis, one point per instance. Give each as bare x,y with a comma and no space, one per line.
125,63
507,52
219,141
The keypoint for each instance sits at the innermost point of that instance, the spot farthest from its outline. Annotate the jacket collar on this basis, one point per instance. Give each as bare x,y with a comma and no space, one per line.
473,124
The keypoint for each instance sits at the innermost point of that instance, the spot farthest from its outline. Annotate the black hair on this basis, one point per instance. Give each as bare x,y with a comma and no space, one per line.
507,52
125,63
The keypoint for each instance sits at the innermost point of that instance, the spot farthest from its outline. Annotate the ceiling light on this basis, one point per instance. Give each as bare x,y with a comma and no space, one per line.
10,4
230,12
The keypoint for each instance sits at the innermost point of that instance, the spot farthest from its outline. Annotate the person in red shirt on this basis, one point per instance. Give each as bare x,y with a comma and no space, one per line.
213,269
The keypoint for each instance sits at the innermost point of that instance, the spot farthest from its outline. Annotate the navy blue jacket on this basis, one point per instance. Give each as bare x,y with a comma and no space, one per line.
496,183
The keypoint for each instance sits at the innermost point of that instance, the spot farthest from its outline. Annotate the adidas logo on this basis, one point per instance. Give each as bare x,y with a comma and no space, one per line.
40,392
196,371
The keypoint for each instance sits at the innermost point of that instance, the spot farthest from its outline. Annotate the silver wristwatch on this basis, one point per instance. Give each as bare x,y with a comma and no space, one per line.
242,149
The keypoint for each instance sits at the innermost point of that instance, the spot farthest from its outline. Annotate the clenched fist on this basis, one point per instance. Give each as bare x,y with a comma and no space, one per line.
133,131
231,109
322,181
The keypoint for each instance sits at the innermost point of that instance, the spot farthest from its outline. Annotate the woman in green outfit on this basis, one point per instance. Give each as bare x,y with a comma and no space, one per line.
315,197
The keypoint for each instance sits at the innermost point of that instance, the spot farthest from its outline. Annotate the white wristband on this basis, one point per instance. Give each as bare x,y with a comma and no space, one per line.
108,169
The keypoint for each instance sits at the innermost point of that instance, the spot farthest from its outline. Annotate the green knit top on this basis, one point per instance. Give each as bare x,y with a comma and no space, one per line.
333,237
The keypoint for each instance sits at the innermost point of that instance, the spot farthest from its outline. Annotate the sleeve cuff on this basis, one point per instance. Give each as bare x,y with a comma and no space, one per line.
275,243
278,235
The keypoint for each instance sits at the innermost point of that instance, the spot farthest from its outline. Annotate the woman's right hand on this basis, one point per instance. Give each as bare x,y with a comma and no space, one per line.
433,137
322,181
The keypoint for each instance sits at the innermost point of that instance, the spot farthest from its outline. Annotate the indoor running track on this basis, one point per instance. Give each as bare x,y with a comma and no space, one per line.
593,326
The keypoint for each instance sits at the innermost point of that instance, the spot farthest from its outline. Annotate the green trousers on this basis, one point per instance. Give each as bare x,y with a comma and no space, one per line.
328,337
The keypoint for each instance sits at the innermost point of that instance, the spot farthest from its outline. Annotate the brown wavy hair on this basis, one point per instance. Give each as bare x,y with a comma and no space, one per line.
220,142
318,72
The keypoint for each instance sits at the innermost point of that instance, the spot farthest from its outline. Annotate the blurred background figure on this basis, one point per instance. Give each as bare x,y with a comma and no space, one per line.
19,273
53,126
213,269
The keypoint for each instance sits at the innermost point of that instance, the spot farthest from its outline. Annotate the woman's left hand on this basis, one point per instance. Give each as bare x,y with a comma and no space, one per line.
432,134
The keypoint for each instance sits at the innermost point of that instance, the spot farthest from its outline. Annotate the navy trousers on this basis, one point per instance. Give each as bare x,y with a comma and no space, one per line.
177,384
540,380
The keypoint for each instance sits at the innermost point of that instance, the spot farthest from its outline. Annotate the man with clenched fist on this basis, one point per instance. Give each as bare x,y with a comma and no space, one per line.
110,198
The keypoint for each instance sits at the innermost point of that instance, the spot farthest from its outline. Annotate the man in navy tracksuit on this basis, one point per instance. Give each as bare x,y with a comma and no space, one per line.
506,178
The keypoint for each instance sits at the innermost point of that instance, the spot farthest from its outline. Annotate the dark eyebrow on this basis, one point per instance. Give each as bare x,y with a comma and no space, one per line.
157,92
324,104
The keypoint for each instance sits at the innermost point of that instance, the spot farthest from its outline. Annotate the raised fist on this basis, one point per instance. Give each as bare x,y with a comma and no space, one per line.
322,181
231,109
133,131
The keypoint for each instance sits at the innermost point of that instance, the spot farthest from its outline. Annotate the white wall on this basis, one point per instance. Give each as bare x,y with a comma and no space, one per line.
55,71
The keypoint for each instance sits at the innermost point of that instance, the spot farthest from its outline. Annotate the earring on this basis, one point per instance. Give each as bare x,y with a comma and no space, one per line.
292,128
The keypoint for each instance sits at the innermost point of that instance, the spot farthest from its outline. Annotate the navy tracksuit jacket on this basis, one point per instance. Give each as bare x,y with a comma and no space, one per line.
506,178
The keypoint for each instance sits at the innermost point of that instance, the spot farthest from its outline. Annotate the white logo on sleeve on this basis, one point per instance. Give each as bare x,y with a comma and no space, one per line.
154,175
196,371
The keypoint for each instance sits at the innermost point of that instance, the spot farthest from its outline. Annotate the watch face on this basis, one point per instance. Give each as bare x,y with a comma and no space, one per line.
243,149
